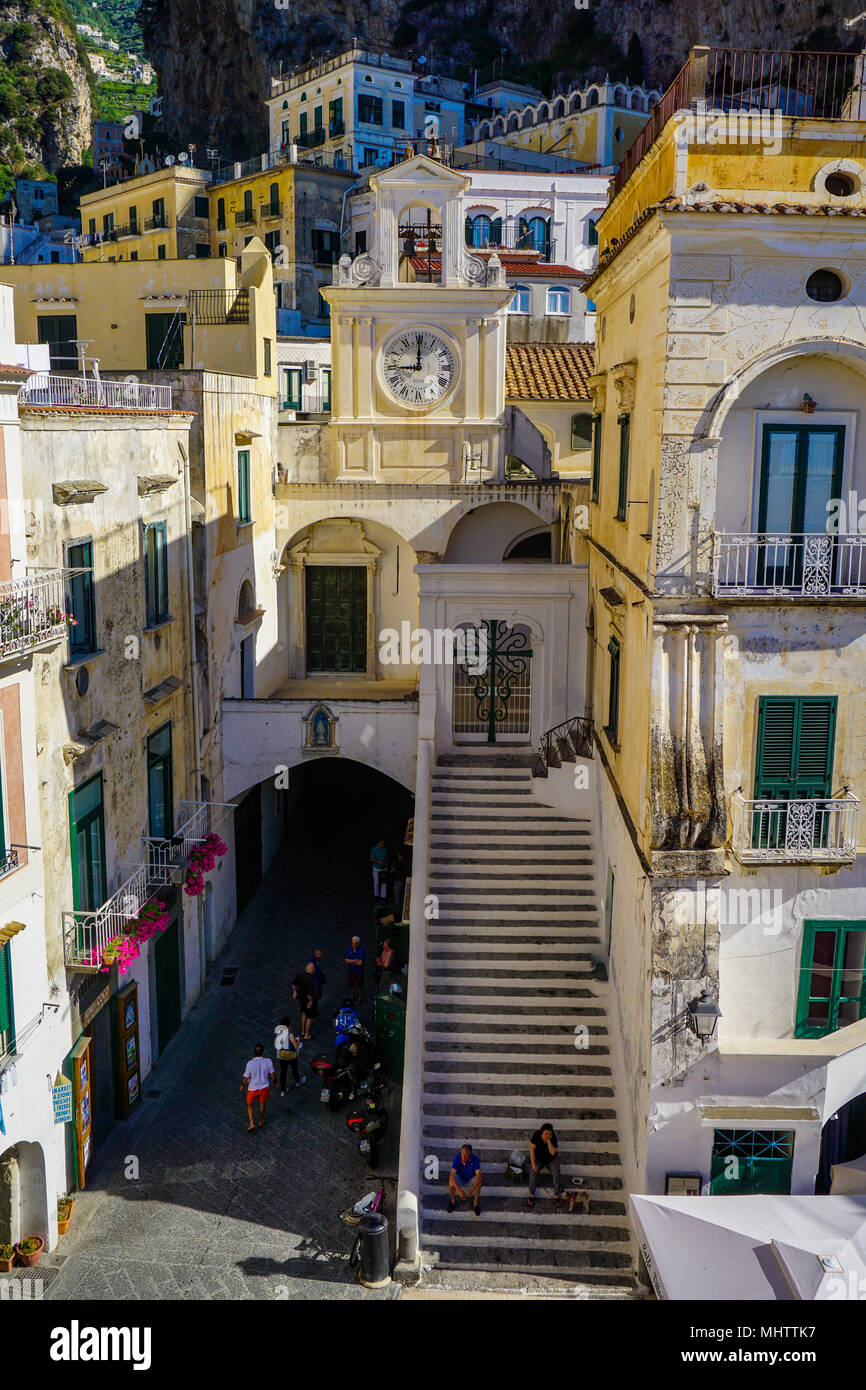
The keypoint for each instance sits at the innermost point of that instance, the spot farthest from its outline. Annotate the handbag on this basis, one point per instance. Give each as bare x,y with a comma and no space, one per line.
286,1055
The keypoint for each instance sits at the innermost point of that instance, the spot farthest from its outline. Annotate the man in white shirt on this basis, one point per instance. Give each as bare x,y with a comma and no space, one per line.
258,1076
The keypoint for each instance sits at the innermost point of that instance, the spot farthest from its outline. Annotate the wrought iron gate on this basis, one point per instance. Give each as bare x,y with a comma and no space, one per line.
492,697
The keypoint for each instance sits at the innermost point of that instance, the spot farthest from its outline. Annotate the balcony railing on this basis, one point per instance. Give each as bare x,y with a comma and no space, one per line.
784,565
270,210
245,217
314,401
197,820
216,307
32,612
822,830
565,744
311,138
86,933
160,223
93,393
823,86
482,236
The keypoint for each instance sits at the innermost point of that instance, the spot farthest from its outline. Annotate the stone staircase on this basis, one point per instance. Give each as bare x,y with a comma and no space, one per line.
509,977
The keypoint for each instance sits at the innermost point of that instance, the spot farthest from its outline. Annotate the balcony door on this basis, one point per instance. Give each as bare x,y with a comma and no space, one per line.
794,762
801,470
87,827
336,618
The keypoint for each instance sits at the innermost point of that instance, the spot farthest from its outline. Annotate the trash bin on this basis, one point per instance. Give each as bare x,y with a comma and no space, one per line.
391,1034
375,1268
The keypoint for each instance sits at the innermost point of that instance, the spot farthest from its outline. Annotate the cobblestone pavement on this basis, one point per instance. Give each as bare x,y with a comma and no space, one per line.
217,1212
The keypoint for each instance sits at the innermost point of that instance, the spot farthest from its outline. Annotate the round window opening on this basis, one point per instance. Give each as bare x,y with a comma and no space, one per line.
840,185
825,286
631,308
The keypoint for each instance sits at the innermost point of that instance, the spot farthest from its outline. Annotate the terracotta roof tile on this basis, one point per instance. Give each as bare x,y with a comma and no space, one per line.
548,371
516,268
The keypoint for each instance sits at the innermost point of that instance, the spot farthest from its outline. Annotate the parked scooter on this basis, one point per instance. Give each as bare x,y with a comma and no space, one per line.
369,1122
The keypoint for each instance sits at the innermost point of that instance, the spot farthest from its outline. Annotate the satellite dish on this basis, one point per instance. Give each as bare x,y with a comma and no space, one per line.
169,160
183,158
422,59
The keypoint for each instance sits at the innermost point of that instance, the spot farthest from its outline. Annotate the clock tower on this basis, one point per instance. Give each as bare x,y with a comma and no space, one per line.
418,386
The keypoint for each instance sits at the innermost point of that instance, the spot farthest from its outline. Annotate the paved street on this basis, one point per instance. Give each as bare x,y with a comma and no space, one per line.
217,1212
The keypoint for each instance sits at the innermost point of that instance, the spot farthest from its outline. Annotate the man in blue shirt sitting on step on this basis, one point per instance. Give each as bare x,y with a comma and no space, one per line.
464,1180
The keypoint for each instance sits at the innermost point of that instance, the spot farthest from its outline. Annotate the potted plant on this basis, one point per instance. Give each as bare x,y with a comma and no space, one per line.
29,1250
7,1257
64,1213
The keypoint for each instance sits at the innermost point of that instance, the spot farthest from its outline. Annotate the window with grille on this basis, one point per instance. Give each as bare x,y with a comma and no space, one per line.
751,1161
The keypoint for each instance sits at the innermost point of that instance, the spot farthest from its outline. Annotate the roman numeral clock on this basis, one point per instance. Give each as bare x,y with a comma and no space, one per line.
419,368
418,365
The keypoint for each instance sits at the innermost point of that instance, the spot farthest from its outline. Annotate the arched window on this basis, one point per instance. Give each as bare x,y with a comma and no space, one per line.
575,103
592,99
544,112
520,302
499,125
221,214
248,205
528,119
246,601
558,300
533,234
479,230
581,432
559,107
512,123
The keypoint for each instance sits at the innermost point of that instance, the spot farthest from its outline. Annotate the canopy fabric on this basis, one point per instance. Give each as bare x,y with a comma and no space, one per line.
848,1178
752,1248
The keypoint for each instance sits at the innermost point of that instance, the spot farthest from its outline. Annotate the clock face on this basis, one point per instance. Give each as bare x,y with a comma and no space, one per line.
419,367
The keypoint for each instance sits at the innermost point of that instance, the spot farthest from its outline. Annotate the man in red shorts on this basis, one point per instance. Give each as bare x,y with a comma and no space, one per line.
258,1076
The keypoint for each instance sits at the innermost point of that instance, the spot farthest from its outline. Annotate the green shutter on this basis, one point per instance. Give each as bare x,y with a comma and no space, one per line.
795,747
496,232
6,1017
596,456
622,492
613,690
244,510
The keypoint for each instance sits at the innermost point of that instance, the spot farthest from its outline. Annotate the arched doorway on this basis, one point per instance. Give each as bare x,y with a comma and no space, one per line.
23,1195
843,1139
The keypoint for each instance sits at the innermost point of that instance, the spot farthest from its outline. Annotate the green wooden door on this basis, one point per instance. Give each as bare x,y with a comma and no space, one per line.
336,606
159,784
801,469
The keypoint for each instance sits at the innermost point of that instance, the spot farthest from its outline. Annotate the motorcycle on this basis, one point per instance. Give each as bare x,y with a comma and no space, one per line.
369,1122
353,1070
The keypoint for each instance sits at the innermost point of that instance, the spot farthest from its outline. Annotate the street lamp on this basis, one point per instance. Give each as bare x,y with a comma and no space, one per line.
704,1014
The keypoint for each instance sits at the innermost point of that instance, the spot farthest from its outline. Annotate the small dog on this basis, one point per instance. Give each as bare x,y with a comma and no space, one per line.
575,1199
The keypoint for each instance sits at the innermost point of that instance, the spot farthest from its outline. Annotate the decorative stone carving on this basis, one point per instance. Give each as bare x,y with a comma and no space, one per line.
623,378
689,811
598,390
365,271
320,730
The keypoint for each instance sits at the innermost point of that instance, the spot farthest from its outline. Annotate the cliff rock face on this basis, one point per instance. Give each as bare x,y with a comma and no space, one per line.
46,91
215,58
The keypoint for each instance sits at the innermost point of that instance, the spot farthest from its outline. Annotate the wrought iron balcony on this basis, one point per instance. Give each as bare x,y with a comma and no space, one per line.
270,210
9,860
814,566
311,138
32,612
160,223
245,217
821,830
216,307
565,744
167,857
93,393
86,933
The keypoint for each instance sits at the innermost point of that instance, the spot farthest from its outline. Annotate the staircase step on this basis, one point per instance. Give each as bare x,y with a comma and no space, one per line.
484,1084
526,1035
520,1252
512,1197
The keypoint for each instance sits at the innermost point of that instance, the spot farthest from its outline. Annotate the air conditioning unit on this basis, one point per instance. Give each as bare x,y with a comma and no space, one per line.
310,370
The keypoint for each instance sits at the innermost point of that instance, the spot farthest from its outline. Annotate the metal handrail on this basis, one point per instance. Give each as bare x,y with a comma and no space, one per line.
567,741
47,389
85,933
219,306
199,819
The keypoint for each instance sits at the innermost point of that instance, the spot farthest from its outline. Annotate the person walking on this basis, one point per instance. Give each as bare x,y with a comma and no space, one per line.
379,863
316,958
288,1046
400,869
355,970
544,1153
258,1076
304,991
464,1180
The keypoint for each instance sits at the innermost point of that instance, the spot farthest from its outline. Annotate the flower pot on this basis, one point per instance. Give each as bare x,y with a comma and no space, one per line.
64,1220
33,1258
6,1265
